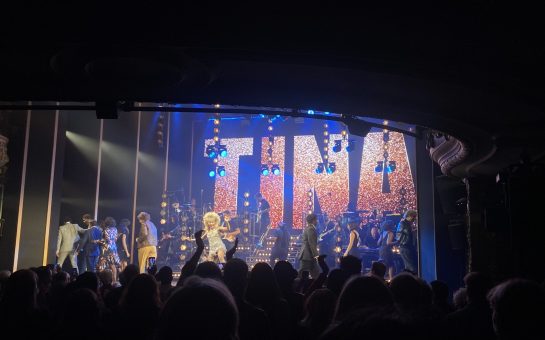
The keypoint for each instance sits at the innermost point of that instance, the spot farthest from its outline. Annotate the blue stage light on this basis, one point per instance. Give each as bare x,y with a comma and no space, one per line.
337,147
275,169
211,173
222,150
264,169
320,168
391,167
379,167
310,112
331,167
350,146
221,171
211,151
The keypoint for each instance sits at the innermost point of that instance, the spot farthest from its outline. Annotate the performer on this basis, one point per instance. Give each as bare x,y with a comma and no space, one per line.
212,229
81,257
386,242
68,235
109,258
407,241
280,248
309,248
122,237
229,235
89,245
147,240
263,218
354,239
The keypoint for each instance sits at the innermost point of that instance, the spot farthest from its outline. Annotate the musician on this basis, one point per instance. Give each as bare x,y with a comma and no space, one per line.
354,239
309,248
229,235
386,242
407,240
280,249
326,240
212,231
263,218
147,240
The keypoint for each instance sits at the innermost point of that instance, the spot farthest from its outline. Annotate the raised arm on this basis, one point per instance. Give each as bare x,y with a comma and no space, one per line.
189,268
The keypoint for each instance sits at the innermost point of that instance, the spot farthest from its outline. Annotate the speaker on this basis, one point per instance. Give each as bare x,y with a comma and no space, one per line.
457,234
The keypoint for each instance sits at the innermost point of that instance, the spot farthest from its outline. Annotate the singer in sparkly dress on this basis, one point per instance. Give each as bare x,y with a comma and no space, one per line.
213,232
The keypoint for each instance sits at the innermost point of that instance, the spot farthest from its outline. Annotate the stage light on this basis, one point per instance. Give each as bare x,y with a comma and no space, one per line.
245,230
391,166
275,170
183,247
331,167
211,151
222,150
221,171
337,147
163,204
379,167
350,146
264,170
320,168
211,173
310,112
164,195
163,221
246,203
162,212
246,194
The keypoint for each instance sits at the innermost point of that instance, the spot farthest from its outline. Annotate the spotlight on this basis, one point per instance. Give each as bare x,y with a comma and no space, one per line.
264,170
391,167
163,212
320,168
223,150
331,167
163,221
337,147
350,146
163,204
221,171
211,173
275,169
211,151
379,167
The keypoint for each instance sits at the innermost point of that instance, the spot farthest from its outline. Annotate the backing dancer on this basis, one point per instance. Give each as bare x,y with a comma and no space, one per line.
407,240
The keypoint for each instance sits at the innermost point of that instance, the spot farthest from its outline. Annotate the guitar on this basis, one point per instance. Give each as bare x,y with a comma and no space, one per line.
260,213
322,235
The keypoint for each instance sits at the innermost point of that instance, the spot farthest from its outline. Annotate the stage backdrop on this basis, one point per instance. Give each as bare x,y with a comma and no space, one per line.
378,174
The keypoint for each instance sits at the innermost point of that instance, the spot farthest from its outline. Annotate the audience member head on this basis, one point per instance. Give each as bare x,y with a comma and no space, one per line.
459,298
407,292
143,217
208,270
362,292
142,293
478,285
285,274
4,276
213,313
81,309
235,276
263,288
336,280
45,276
106,277
439,290
378,269
20,292
518,309
164,275
60,279
319,307
129,273
88,280
351,265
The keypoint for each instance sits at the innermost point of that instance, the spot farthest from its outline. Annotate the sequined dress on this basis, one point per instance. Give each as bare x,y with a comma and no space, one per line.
109,249
215,242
